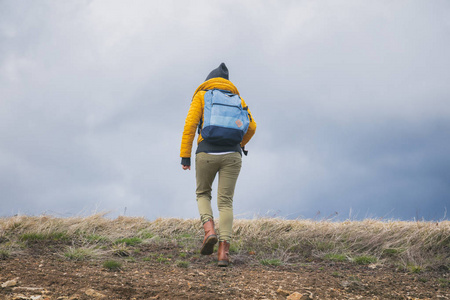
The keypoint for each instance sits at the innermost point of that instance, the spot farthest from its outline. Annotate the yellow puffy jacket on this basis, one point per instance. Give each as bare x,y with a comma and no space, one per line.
196,113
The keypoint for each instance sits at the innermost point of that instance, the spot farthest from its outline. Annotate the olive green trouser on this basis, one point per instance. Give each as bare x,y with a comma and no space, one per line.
206,167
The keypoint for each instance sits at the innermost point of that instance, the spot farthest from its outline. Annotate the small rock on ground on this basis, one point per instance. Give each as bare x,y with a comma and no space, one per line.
282,292
94,293
298,296
10,283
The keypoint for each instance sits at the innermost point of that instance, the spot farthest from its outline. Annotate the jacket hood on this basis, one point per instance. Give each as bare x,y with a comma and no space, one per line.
218,83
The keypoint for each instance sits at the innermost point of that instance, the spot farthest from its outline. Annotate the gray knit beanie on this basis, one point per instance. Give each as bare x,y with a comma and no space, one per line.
221,71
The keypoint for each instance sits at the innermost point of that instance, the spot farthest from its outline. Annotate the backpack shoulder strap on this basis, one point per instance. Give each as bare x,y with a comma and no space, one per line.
199,129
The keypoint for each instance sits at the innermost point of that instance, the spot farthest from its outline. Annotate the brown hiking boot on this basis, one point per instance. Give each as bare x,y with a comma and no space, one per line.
210,238
224,249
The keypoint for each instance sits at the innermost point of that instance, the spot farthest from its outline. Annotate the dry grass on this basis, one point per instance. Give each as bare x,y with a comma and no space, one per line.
424,244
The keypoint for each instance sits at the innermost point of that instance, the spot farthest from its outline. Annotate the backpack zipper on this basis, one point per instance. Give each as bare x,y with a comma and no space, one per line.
229,105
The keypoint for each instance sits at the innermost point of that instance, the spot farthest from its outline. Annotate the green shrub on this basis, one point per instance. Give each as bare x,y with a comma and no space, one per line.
132,241
336,274
365,260
79,253
32,237
182,263
96,238
324,246
234,248
392,252
335,257
162,259
185,236
112,265
58,236
414,269
4,254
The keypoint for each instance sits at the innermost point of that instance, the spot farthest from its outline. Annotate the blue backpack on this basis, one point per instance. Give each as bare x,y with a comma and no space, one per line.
225,120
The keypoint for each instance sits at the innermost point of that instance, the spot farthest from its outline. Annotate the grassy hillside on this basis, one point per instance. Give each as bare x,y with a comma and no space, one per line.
415,246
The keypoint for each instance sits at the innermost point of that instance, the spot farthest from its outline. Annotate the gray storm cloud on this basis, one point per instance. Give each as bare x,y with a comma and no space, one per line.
351,101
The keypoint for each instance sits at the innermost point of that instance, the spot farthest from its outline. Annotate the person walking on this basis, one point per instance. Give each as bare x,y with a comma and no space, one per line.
214,157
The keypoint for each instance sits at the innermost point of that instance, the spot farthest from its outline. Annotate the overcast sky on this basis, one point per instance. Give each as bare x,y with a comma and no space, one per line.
351,98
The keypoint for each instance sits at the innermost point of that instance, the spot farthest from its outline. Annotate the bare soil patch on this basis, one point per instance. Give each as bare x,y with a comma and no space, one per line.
154,272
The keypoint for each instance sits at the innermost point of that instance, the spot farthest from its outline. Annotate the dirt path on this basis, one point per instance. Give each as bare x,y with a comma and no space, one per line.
46,274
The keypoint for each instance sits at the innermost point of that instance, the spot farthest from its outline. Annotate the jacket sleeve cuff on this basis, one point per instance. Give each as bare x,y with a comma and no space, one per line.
186,161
